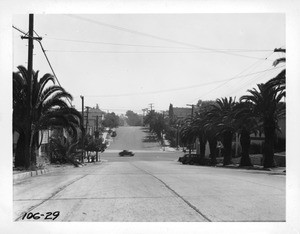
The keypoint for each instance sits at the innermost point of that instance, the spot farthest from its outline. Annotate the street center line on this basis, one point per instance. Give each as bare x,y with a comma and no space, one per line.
172,190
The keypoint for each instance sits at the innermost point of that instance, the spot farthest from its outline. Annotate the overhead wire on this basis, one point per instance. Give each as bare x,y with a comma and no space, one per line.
178,89
150,46
140,52
155,37
44,52
271,74
250,67
255,78
19,30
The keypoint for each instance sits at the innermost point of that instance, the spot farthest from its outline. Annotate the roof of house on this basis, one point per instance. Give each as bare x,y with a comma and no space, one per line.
182,112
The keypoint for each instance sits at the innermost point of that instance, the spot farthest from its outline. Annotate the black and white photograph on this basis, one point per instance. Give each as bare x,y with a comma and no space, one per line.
150,118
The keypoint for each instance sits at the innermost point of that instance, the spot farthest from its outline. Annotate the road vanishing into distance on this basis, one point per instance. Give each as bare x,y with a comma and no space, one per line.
151,186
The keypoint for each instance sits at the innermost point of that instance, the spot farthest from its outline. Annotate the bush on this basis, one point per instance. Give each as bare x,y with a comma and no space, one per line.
279,145
233,150
194,159
171,136
255,148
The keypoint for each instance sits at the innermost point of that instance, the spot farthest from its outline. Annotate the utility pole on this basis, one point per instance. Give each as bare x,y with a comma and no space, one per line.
97,135
144,115
192,116
87,118
29,158
192,105
82,124
151,105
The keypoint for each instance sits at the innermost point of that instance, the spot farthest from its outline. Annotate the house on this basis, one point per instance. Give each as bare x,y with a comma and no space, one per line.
91,115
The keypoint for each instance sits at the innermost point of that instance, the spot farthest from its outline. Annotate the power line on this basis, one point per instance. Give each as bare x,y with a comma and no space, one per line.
19,30
44,52
148,46
142,52
251,66
181,88
247,83
153,36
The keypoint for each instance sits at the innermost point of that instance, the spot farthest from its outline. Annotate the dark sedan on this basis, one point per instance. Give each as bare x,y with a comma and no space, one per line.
126,153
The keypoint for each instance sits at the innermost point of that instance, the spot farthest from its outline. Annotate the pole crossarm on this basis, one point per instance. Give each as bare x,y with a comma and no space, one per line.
33,38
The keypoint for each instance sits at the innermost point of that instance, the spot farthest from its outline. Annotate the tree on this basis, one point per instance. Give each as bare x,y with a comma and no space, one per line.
48,109
188,132
111,120
157,123
247,123
63,150
172,119
133,119
93,145
268,108
280,79
220,121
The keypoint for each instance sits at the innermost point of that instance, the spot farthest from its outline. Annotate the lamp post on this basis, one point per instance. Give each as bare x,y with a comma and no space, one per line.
192,116
177,136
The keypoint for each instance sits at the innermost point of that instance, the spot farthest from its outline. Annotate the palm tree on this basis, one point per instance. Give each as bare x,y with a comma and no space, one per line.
268,108
64,150
280,79
221,122
198,130
47,109
246,122
187,132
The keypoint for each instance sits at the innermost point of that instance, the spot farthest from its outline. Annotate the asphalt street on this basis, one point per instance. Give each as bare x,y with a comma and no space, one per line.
151,186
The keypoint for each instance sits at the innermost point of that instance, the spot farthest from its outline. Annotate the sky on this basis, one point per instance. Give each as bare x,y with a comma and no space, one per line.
127,61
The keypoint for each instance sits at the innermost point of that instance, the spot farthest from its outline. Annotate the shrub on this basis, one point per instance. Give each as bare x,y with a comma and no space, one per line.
279,145
194,159
255,148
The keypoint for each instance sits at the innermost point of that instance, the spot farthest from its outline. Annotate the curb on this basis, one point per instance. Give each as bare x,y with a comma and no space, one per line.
27,174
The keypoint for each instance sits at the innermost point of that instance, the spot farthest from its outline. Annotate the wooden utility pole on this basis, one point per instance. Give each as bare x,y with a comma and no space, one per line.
192,116
30,56
151,105
82,124
29,157
87,118
29,69
144,115
192,105
97,135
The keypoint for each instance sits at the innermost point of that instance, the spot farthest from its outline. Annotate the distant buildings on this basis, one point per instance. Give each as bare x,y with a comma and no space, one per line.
91,115
180,112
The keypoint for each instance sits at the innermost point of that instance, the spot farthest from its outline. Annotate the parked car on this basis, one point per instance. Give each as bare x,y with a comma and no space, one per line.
126,153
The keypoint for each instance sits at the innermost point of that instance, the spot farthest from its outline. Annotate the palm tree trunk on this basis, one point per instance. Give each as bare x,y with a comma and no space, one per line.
20,159
268,152
245,144
34,150
227,142
202,147
213,150
27,151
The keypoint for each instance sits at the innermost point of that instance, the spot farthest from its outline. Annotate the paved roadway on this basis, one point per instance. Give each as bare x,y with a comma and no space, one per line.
151,186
